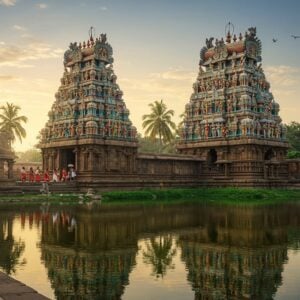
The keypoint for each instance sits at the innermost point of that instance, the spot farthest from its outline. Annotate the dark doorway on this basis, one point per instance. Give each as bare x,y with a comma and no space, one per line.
67,158
212,156
269,154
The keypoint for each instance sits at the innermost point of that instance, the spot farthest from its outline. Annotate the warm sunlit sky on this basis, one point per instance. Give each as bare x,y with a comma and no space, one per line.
156,49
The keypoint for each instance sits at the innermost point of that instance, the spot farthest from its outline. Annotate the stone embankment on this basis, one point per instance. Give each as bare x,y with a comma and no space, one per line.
11,289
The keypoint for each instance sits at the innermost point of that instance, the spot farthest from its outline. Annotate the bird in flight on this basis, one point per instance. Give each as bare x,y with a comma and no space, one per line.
274,40
295,36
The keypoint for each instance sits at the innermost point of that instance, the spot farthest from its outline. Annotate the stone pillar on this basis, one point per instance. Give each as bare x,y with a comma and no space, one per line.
10,164
266,167
277,171
1,169
57,161
226,169
77,158
90,160
50,161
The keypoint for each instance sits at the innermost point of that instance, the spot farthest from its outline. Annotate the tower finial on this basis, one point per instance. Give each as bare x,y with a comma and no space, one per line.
92,33
229,30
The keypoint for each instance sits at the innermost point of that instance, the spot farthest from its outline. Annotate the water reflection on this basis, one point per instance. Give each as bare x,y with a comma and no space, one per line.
11,249
159,254
228,252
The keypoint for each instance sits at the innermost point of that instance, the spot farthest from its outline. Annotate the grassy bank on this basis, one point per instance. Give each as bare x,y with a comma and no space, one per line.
216,195
228,196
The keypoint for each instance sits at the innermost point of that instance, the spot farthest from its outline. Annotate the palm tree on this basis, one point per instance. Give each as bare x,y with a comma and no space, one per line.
159,254
159,123
11,122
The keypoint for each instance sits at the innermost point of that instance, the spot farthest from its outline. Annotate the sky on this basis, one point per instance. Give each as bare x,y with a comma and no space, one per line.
156,48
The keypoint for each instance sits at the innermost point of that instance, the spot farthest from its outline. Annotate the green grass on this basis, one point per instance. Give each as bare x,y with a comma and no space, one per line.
228,196
250,196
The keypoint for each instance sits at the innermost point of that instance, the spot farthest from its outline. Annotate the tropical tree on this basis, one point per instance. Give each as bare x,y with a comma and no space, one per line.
158,123
293,137
159,254
11,122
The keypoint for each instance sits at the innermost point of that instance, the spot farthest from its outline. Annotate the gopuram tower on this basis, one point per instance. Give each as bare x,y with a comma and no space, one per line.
232,120
89,124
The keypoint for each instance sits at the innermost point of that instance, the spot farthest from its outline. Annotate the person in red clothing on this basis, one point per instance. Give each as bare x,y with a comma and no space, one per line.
23,174
46,176
31,175
64,174
37,175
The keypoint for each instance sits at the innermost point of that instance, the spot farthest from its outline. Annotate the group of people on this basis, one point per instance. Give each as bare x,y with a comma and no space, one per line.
39,176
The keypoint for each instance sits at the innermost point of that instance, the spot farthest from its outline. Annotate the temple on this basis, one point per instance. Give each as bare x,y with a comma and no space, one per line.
232,120
7,158
89,124
232,133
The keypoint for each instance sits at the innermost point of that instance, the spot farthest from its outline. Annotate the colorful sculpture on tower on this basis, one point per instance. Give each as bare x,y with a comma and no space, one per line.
232,112
89,111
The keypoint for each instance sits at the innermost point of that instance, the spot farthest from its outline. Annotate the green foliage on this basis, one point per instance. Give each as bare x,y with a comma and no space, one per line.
293,135
293,154
11,122
31,155
158,123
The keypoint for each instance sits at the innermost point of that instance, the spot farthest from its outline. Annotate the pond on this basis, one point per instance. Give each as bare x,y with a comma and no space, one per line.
154,252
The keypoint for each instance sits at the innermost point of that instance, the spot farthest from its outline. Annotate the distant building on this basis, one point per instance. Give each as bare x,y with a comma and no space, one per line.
7,157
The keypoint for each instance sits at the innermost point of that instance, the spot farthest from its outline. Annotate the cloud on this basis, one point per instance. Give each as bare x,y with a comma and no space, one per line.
103,8
8,2
15,56
7,77
19,28
175,74
285,87
42,5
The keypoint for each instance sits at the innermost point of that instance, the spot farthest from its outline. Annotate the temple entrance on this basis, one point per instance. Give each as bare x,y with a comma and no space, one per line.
67,157
269,155
212,156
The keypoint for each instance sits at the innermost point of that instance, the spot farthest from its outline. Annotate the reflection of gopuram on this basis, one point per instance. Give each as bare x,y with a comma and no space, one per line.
237,256
85,258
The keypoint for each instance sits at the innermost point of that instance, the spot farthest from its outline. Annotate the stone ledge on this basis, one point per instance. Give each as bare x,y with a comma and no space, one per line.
11,289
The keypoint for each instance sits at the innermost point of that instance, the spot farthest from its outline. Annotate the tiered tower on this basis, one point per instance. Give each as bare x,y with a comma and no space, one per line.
232,115
89,124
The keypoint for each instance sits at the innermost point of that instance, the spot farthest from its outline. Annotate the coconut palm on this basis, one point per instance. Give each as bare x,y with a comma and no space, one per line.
159,254
11,122
158,123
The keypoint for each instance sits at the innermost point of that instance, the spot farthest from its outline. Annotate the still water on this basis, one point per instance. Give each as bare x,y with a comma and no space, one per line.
160,252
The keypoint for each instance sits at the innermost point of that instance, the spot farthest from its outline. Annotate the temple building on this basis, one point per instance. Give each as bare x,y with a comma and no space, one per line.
232,134
89,124
232,117
7,158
